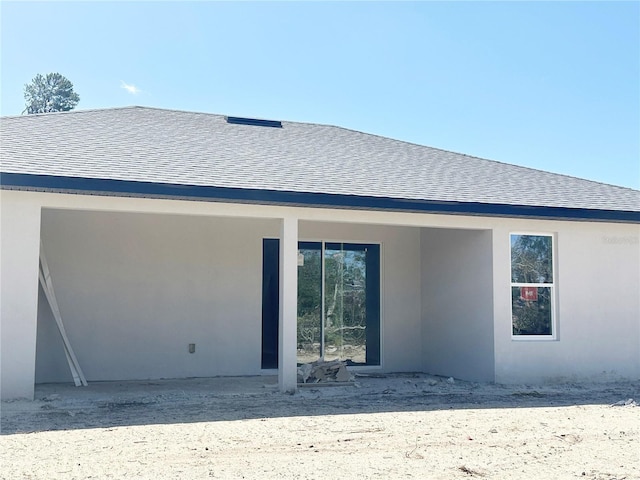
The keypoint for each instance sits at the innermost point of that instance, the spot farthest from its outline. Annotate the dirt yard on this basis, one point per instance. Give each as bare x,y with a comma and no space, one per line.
403,426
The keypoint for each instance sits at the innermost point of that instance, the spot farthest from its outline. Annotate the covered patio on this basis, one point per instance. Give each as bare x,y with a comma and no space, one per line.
157,289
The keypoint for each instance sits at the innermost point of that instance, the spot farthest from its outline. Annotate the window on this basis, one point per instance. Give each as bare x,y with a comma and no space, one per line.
532,286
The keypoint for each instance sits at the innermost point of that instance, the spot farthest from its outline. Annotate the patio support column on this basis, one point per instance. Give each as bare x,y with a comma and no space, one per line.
20,250
288,320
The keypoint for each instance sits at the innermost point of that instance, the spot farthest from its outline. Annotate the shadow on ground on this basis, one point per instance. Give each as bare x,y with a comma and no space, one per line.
114,404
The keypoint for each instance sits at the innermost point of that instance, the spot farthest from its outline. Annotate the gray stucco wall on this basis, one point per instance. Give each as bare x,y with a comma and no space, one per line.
400,290
51,363
598,307
135,289
457,303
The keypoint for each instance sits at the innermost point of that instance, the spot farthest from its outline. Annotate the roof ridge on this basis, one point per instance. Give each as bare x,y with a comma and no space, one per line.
72,112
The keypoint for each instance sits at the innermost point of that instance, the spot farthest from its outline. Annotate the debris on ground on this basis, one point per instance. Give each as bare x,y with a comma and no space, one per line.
320,371
533,393
470,471
625,403
370,375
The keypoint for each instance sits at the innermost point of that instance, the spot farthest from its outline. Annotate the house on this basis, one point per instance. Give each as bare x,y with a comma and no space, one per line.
186,244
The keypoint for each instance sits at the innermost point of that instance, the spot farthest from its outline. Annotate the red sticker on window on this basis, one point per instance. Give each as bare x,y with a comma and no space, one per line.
529,294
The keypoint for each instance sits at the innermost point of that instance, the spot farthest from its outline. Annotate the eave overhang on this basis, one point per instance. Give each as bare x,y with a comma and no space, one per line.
127,188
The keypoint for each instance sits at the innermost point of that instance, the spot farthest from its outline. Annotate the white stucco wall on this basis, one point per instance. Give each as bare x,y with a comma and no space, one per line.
457,303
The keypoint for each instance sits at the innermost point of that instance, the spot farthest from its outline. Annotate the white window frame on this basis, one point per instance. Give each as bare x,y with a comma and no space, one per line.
552,286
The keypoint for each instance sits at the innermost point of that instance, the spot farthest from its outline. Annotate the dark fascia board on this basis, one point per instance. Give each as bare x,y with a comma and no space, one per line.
109,187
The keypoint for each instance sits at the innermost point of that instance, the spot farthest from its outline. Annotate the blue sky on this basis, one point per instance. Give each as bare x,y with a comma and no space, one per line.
549,85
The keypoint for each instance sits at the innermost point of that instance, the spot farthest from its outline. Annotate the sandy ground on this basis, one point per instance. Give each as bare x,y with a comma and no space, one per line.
403,426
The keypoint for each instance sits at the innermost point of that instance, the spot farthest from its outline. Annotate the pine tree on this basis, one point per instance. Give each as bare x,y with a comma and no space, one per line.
50,93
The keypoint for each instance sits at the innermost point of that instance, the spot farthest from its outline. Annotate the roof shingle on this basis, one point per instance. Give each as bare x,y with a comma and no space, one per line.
174,147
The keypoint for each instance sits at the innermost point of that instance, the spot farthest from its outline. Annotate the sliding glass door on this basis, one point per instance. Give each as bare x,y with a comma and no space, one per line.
339,302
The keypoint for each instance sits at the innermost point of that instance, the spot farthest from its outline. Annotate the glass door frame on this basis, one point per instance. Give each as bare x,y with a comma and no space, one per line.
373,288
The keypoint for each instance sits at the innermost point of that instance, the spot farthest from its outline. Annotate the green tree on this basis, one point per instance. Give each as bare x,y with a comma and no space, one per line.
50,93
309,300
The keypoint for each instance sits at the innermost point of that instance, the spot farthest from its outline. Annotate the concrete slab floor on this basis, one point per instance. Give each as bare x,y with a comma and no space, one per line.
191,387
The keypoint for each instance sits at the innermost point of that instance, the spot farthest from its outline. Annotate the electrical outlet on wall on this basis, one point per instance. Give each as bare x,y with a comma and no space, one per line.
192,348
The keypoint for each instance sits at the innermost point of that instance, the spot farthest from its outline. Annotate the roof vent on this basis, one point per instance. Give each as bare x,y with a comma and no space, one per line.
254,121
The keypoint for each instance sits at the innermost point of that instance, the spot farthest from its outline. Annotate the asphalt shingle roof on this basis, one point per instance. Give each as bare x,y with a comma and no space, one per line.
173,147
